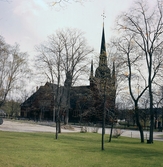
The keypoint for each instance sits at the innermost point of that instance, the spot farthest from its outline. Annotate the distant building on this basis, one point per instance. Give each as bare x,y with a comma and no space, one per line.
86,102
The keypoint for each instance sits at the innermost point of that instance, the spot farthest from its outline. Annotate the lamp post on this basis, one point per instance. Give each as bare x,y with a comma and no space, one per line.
103,117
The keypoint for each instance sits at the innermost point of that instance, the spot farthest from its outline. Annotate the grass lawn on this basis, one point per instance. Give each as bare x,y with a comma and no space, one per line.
76,150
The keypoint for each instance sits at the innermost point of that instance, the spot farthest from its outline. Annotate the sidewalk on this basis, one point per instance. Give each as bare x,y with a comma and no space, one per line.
34,127
132,133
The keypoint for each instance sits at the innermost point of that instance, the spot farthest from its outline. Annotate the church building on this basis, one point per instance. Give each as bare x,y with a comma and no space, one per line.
86,102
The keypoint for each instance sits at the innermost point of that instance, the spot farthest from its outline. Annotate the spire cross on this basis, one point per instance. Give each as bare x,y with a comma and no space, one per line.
103,15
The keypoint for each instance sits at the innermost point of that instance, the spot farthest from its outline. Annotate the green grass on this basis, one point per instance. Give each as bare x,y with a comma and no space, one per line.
76,150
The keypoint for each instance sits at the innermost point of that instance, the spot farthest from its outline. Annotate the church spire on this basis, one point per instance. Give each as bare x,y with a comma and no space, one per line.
103,56
102,70
103,48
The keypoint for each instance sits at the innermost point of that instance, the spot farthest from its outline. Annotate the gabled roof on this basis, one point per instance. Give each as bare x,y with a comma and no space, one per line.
47,91
47,88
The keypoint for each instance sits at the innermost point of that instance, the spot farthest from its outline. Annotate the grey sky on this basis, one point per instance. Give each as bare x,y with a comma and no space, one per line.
29,22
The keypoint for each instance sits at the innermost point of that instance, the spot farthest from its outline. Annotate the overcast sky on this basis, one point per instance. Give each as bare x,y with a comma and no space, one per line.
29,22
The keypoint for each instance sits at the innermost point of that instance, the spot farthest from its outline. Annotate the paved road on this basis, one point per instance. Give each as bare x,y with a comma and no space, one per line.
28,127
33,127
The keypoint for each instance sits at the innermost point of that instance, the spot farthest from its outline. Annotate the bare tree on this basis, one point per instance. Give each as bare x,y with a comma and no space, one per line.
63,60
12,108
146,27
49,64
117,64
134,75
13,69
64,2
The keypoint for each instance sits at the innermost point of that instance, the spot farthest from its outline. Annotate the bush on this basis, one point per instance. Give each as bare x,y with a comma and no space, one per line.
117,133
83,129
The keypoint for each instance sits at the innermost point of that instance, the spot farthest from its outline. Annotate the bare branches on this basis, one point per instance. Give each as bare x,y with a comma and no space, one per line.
146,26
63,3
68,49
13,66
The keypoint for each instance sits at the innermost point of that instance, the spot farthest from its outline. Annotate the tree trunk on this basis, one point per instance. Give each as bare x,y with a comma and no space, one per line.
151,102
67,87
66,117
111,131
151,119
59,125
54,114
40,115
138,124
138,121
56,133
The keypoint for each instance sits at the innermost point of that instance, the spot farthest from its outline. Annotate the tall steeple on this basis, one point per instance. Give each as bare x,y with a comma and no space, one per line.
103,56
103,71
103,48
